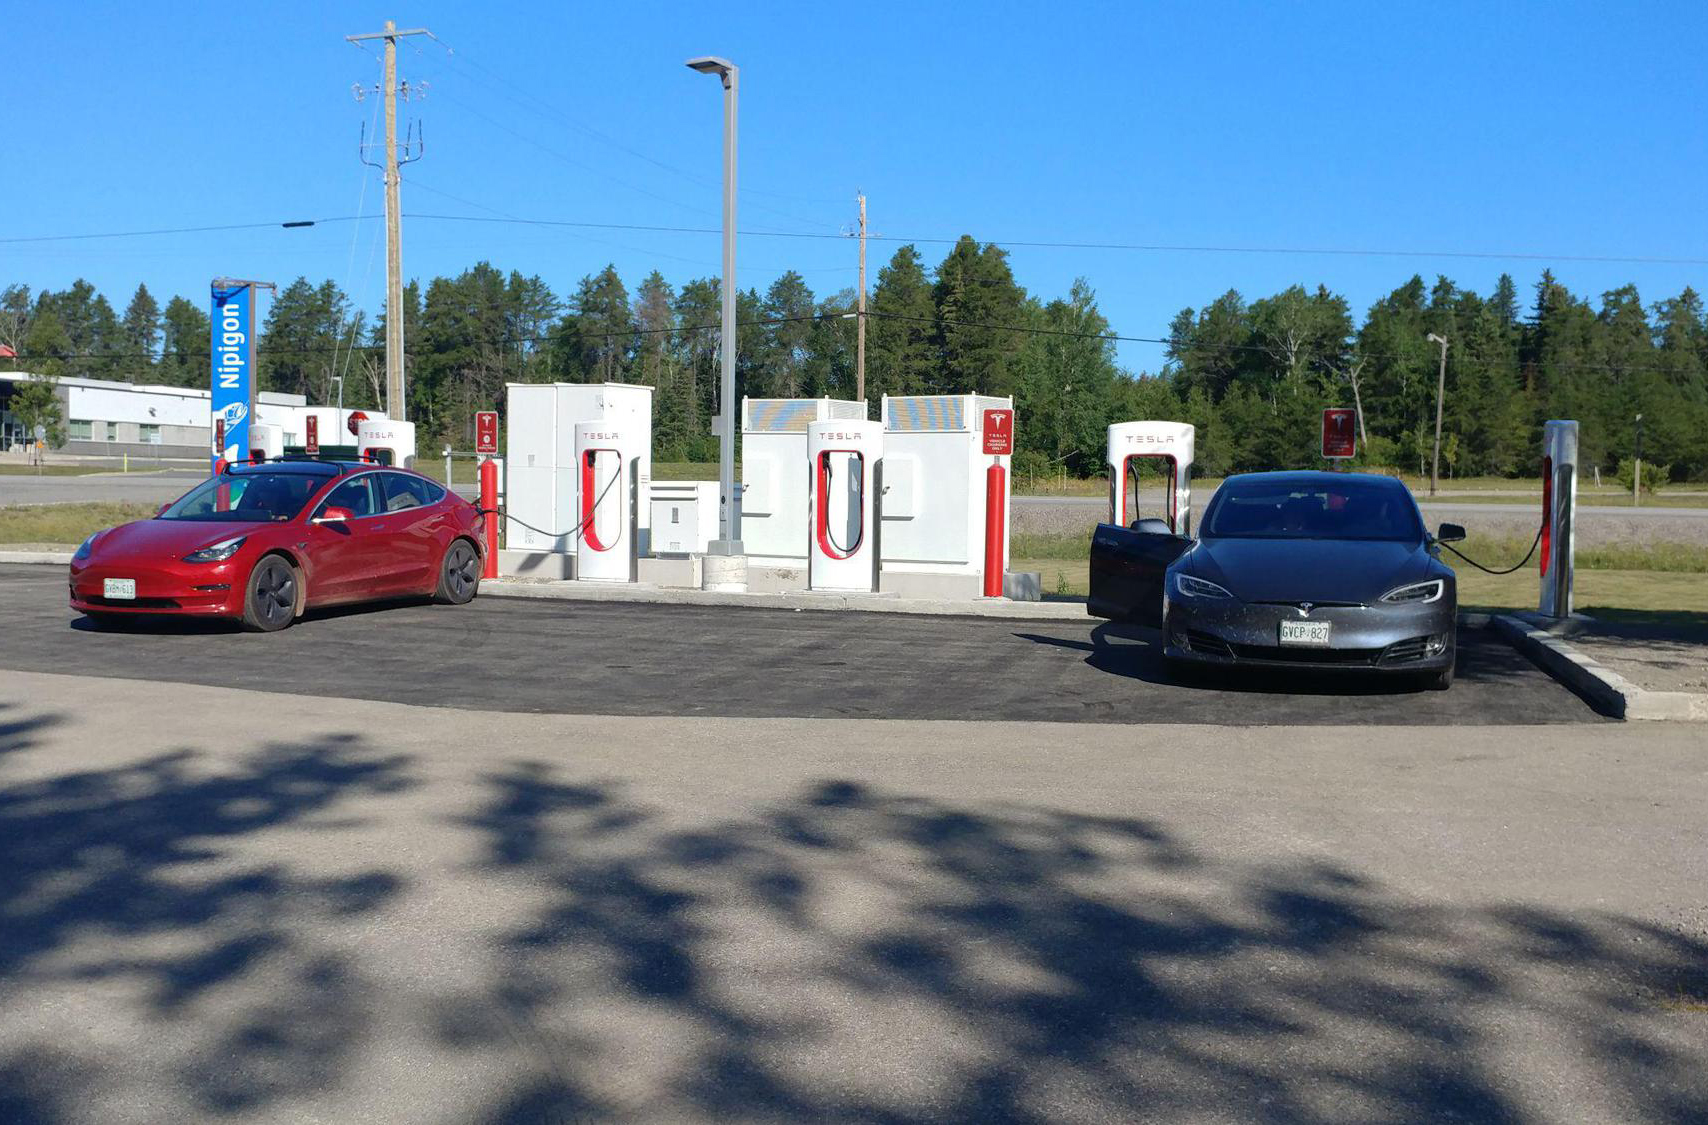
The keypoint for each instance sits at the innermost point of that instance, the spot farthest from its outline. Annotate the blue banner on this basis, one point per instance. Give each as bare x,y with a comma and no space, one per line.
233,368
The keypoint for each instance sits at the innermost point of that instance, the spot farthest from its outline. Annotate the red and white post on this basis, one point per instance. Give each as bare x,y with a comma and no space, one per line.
998,443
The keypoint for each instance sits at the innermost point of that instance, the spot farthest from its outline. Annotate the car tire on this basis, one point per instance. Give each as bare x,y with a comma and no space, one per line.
459,574
270,598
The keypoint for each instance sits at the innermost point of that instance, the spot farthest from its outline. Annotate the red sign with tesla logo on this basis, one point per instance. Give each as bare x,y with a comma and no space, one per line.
312,443
356,419
1340,433
486,431
999,432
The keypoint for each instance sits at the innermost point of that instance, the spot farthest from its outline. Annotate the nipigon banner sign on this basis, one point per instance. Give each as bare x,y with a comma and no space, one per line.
233,365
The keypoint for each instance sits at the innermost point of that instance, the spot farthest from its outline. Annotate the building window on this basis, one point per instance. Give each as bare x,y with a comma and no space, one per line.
147,434
82,430
112,431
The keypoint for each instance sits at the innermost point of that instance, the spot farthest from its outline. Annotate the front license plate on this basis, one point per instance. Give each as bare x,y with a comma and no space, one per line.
119,588
1307,633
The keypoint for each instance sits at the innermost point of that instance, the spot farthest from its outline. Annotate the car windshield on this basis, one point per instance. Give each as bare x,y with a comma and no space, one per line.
246,498
1294,509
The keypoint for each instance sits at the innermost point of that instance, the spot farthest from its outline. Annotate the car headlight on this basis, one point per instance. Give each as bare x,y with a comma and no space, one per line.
87,548
219,552
1189,587
1418,593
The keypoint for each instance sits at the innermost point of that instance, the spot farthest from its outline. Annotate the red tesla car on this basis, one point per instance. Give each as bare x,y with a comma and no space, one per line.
260,543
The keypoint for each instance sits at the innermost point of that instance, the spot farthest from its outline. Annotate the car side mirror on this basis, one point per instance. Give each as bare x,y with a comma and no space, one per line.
160,511
335,515
1152,526
1450,533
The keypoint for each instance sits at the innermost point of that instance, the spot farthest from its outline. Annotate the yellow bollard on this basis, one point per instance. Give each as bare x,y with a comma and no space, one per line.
127,462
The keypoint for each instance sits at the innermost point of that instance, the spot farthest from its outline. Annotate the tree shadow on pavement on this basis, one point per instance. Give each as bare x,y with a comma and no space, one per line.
126,890
860,954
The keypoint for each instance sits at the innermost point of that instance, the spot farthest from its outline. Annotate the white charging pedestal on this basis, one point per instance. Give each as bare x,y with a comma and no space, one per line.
773,487
542,478
843,465
386,441
1559,506
606,464
933,509
1132,444
267,440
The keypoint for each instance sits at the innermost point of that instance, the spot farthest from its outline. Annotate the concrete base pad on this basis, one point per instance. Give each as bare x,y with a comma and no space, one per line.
682,570
536,564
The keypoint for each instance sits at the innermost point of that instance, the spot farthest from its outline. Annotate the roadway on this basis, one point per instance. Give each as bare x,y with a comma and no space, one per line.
657,660
225,904
1441,508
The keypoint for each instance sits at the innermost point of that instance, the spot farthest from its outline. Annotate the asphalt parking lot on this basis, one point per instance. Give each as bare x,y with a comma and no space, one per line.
645,660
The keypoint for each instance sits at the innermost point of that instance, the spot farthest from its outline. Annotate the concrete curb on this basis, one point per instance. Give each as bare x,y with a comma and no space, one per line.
860,603
1604,689
50,558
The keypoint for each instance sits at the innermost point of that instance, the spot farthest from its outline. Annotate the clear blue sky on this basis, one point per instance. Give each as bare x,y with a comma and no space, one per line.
1558,128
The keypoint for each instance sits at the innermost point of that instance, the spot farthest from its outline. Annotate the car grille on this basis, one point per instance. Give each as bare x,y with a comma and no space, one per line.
133,603
1307,655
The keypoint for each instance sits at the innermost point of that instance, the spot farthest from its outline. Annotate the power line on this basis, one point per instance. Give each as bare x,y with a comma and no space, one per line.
1171,248
286,224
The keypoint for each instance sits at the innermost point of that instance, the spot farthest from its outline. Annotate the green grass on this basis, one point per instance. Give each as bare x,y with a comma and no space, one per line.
64,526
48,470
1648,597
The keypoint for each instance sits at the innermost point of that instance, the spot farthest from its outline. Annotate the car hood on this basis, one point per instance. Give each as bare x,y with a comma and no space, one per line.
1308,570
168,539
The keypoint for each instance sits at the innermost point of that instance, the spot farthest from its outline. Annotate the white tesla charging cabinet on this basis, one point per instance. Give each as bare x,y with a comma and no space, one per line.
1559,506
543,477
1168,445
606,498
774,523
933,501
844,460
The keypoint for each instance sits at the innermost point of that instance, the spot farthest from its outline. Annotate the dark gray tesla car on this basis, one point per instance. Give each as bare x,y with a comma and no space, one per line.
1292,569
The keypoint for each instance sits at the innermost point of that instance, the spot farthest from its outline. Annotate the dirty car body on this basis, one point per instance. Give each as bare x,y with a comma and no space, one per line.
1290,569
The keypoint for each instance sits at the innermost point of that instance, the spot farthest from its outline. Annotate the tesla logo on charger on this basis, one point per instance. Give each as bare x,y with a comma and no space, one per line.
840,437
1148,439
605,437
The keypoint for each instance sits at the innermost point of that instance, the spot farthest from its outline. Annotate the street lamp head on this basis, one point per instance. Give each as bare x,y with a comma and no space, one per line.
711,64
1434,339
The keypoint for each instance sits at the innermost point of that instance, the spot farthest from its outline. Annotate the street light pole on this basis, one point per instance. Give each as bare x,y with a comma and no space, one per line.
729,518
1440,393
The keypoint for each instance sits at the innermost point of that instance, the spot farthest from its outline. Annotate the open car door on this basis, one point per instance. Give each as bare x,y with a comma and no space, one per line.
1127,569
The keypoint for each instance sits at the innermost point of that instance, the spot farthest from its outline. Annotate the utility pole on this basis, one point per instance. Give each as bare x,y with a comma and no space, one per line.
1440,393
1637,467
394,393
860,324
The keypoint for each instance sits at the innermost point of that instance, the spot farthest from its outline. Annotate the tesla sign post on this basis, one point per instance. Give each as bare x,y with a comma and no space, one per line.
1340,434
312,444
998,443
486,431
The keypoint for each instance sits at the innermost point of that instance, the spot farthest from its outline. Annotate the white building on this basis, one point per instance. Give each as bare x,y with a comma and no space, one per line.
103,417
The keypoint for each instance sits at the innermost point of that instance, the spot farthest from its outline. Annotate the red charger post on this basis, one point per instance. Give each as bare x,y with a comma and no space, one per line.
489,505
995,488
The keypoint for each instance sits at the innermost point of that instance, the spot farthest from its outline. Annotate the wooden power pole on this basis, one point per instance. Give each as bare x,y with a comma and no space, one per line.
394,392
860,323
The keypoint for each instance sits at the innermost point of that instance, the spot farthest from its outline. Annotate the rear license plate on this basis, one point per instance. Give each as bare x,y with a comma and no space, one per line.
1312,634
119,588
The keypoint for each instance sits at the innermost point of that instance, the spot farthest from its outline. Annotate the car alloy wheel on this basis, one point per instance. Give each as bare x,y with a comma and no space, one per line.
272,595
460,576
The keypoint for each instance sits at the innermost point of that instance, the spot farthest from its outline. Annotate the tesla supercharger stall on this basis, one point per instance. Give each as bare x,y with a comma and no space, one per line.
1168,445
606,466
843,463
386,442
1559,505
774,516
